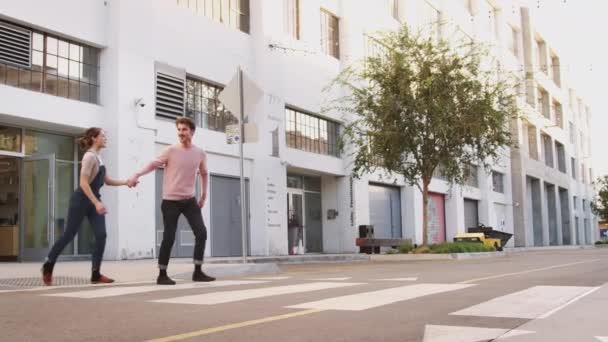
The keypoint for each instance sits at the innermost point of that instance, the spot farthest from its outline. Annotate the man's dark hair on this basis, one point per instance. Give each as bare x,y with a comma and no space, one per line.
186,121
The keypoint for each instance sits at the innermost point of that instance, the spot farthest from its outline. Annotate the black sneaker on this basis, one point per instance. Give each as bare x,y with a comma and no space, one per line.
201,276
164,280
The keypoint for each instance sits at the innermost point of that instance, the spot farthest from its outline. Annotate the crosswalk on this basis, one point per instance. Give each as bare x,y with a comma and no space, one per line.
533,303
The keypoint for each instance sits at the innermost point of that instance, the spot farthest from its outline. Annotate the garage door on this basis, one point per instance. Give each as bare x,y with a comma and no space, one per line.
385,210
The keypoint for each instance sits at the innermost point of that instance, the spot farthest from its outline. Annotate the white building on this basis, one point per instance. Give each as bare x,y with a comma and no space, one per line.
70,64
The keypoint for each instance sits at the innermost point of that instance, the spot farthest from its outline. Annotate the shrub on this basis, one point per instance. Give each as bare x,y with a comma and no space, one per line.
406,248
459,247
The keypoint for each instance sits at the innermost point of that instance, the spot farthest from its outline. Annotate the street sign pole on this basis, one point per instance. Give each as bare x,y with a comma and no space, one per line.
244,217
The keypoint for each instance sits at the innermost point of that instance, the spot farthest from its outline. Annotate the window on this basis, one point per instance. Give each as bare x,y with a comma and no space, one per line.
558,114
532,143
292,18
374,48
58,67
472,179
572,132
561,157
439,173
468,4
573,167
330,34
10,139
310,133
393,8
583,175
547,147
575,202
513,42
492,20
555,70
498,182
584,206
204,107
541,55
543,103
431,19
234,13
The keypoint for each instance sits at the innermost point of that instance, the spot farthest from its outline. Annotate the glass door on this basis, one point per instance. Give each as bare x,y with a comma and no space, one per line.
37,206
295,222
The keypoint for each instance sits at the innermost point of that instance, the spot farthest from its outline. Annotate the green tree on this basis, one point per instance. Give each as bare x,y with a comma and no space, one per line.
423,103
600,203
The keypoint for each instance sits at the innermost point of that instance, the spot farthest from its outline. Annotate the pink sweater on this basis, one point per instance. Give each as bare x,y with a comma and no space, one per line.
180,170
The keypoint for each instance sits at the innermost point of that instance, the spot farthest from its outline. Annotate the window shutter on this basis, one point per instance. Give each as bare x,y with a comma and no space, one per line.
15,45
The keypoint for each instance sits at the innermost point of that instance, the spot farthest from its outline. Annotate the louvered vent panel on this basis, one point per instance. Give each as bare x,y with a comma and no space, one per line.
15,45
169,96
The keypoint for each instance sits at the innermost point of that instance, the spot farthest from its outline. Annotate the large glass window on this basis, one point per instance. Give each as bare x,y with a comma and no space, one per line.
234,13
310,133
40,143
58,67
204,107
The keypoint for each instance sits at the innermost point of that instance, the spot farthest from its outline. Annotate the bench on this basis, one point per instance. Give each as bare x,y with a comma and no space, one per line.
372,245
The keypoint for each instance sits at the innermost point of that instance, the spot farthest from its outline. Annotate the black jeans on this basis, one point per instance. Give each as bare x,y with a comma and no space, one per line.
81,207
171,211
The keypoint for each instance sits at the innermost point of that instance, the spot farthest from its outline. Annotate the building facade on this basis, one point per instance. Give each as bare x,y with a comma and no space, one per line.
132,67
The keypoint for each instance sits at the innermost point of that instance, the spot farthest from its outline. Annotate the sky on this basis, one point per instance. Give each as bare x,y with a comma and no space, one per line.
577,30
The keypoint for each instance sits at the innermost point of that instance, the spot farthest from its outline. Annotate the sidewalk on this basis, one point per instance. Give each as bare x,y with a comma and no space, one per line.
27,274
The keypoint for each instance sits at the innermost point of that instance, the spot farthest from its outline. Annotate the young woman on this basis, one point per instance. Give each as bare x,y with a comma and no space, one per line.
86,202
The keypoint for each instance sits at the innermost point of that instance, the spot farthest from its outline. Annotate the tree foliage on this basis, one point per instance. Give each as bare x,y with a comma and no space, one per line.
600,204
424,104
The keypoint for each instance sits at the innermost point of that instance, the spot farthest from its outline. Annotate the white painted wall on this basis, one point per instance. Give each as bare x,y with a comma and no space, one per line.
135,35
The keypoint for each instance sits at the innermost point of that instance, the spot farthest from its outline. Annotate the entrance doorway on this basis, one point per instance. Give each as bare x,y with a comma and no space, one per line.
10,171
304,215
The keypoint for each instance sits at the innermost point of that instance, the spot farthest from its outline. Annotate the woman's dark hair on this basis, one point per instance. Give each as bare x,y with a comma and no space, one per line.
85,141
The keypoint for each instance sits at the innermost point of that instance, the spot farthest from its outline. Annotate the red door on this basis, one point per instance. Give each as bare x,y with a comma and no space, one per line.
436,218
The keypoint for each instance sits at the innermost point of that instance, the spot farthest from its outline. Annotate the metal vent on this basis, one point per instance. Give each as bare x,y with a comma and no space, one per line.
15,45
169,96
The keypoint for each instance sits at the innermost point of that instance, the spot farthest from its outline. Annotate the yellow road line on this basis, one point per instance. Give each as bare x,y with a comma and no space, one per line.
233,326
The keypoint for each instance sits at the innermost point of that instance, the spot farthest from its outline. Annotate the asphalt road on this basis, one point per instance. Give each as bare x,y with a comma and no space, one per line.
535,296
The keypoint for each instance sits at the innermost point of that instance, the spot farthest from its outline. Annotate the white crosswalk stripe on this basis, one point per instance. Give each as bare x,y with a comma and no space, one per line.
399,279
269,278
368,300
127,290
239,295
333,279
535,302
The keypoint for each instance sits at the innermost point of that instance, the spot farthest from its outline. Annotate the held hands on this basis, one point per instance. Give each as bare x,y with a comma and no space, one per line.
100,208
132,182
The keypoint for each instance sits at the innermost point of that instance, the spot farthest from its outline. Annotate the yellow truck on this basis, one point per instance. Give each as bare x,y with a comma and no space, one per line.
480,238
486,235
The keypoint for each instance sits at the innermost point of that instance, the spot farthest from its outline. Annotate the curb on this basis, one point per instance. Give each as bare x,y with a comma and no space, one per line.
426,257
291,259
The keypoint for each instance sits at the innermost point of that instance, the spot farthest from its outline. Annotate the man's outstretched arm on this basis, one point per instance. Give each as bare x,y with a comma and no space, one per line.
161,160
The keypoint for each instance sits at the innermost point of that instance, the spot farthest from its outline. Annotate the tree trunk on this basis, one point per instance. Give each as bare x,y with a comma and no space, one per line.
425,214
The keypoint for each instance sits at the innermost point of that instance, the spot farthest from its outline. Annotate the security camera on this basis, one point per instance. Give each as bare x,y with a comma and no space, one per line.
140,102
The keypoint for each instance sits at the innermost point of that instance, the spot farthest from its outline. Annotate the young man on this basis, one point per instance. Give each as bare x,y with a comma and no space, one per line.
181,161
